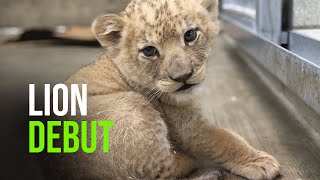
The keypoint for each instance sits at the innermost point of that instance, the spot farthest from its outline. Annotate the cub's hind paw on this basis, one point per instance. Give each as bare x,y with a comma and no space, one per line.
259,166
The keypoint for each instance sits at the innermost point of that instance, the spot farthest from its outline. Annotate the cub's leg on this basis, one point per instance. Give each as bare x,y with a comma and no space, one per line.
139,145
200,138
236,155
232,152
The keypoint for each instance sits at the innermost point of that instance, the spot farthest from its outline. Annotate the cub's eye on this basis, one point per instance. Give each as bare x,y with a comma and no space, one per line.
150,51
190,35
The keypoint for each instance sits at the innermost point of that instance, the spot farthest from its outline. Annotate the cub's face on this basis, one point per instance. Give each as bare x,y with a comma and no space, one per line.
161,45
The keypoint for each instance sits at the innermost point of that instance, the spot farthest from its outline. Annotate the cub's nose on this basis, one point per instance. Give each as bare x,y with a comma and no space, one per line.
181,76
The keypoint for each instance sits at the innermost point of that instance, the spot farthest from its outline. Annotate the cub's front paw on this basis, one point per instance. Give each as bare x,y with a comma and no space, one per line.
259,166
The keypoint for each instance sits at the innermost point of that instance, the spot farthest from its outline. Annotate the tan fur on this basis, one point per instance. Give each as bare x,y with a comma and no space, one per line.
159,133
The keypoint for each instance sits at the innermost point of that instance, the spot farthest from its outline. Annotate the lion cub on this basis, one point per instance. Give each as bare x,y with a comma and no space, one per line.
156,55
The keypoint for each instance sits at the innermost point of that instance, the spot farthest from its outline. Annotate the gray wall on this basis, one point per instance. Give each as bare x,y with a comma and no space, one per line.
30,13
39,13
306,14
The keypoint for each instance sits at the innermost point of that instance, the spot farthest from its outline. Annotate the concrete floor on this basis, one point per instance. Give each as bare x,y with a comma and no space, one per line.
233,98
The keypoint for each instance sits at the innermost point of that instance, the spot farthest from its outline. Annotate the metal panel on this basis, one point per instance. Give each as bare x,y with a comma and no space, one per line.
243,7
258,16
306,43
269,20
243,10
300,75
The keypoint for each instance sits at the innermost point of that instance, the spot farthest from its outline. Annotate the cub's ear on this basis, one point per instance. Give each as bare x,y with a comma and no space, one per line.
212,6
107,29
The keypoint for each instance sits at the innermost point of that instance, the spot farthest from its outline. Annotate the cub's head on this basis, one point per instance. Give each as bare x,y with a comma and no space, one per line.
161,45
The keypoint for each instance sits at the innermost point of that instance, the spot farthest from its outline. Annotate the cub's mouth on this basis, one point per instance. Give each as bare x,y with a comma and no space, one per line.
186,87
170,86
